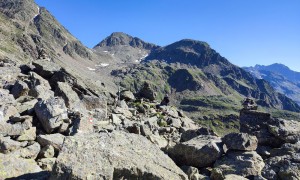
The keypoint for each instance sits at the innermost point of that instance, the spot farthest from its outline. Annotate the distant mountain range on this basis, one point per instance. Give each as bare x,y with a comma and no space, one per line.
282,78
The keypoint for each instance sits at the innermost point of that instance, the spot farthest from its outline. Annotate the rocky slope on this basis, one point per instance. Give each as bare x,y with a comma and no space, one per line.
27,31
54,128
283,79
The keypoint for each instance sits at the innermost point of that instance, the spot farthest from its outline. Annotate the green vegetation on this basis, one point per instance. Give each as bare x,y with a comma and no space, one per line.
285,114
162,123
221,127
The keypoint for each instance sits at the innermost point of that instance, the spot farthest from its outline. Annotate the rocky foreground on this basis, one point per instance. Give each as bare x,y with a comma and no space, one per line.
53,126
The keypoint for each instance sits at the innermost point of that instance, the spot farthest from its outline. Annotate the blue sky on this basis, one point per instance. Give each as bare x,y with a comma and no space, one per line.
246,32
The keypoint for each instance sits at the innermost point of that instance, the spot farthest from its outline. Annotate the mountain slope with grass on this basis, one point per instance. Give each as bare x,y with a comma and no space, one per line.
200,81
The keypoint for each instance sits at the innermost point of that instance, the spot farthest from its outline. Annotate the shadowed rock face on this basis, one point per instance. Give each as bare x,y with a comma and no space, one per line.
116,155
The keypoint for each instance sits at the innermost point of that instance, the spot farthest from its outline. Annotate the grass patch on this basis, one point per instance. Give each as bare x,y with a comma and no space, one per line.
221,127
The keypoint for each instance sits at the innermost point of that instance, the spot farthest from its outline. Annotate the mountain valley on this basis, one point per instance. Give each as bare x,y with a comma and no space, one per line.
129,109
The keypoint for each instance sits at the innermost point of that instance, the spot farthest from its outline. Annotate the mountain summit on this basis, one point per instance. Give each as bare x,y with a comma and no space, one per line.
123,48
188,51
122,39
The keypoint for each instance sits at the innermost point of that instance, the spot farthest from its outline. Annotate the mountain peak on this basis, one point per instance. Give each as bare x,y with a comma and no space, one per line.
191,42
123,39
188,51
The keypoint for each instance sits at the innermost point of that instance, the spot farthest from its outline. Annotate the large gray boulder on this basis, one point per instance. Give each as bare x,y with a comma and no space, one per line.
117,155
51,113
201,151
15,167
46,68
55,140
66,92
240,141
243,163
6,98
40,88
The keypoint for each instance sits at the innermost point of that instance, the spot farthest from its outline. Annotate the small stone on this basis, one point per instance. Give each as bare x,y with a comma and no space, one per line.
47,164
63,127
115,119
47,152
20,88
127,96
28,135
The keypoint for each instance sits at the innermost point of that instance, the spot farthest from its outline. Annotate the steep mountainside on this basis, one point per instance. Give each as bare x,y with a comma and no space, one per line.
198,78
280,77
27,29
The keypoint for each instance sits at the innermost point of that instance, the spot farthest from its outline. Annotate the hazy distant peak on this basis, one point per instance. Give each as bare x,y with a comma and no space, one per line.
275,66
123,39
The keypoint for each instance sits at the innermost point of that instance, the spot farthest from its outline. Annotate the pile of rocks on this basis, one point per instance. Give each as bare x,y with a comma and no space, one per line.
37,112
42,104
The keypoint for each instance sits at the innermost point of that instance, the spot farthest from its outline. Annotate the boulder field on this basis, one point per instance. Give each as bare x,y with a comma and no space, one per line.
54,127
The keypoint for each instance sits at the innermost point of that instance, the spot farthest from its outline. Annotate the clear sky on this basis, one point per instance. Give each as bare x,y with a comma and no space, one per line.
246,32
